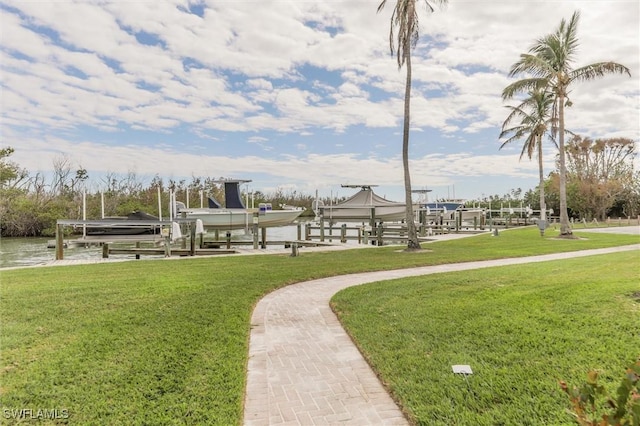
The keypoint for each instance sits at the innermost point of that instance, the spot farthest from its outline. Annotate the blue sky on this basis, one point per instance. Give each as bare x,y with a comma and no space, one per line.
296,95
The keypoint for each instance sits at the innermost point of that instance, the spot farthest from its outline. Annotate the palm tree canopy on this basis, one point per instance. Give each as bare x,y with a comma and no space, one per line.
405,19
536,120
549,62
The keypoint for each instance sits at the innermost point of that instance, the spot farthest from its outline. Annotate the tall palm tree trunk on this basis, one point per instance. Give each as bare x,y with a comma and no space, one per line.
565,229
543,203
412,234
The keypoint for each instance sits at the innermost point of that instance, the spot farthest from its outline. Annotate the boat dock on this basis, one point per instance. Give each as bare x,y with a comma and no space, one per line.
169,241
162,232
381,233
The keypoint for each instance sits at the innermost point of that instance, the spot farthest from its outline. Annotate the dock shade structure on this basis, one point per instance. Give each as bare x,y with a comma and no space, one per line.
364,206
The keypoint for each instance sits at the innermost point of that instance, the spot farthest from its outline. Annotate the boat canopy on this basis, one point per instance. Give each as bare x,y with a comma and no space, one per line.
213,203
367,198
232,197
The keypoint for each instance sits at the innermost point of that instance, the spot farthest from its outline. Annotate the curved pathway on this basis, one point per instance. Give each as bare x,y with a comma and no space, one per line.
304,369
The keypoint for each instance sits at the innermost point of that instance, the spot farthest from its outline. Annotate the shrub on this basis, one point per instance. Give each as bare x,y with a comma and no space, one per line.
591,406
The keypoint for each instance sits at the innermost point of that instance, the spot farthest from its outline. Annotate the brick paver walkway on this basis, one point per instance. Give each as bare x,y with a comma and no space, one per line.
304,369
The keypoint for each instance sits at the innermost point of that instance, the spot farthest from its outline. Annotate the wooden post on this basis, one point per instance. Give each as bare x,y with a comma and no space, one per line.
380,231
307,232
256,220
137,246
228,240
372,218
294,249
105,250
343,233
299,231
167,246
255,236
183,230
322,230
264,237
59,242
192,246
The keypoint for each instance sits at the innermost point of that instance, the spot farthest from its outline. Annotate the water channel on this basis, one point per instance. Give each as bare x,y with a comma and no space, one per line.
18,252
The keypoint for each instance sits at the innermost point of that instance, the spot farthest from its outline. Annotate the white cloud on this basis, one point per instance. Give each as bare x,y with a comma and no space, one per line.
95,80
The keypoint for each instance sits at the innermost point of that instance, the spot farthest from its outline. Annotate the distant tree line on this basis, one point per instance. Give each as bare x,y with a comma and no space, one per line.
601,183
30,205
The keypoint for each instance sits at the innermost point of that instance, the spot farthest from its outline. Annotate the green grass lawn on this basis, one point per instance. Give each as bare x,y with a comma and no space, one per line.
165,342
522,329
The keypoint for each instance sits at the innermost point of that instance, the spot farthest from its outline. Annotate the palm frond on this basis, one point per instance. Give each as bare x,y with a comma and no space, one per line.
599,69
404,32
531,64
534,115
523,86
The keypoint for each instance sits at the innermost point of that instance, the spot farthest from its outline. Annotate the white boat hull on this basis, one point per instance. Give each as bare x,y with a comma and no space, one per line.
363,214
471,215
226,219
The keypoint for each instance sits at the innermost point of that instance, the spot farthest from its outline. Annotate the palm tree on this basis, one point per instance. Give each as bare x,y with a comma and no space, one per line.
535,114
549,61
405,18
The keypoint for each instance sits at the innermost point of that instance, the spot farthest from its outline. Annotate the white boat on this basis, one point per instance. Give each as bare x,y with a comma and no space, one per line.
448,210
227,219
471,215
364,206
235,215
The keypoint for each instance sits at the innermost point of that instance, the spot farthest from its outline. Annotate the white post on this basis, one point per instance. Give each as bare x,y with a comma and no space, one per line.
170,205
201,198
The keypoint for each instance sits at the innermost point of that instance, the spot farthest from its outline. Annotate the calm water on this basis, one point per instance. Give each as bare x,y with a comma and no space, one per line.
33,251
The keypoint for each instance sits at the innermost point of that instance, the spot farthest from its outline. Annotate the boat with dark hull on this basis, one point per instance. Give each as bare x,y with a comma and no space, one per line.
125,225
